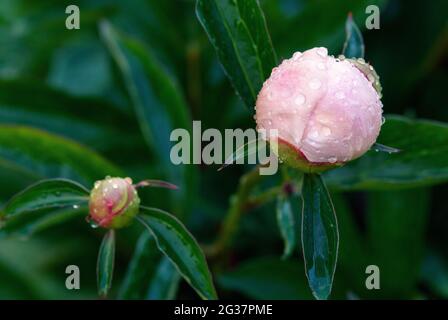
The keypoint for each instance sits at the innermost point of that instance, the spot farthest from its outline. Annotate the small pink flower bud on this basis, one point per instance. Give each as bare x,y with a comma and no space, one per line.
114,202
327,111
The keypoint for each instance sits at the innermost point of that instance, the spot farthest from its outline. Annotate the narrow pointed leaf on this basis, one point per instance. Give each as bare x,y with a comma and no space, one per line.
287,222
238,32
381,147
422,160
354,43
242,153
157,100
105,264
33,154
177,243
26,225
156,184
45,194
141,269
396,227
320,238
93,122
165,283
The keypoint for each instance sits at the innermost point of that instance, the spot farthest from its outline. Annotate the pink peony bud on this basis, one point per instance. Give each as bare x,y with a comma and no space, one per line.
327,111
114,202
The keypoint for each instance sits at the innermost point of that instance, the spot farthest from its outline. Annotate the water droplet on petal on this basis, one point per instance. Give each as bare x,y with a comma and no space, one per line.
340,95
383,120
315,84
322,52
332,159
326,131
300,99
296,56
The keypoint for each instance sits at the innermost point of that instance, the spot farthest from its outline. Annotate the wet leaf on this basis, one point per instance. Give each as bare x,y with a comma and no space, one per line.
422,160
105,264
174,240
141,269
45,194
354,43
238,32
165,283
320,237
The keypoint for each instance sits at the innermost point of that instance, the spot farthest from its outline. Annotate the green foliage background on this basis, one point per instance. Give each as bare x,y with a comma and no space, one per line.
70,108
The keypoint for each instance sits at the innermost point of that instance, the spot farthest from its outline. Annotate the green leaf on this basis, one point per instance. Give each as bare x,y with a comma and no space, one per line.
237,30
156,97
174,240
34,154
165,283
320,237
251,148
287,222
319,23
396,223
267,278
422,160
353,251
157,100
92,122
26,225
435,274
141,268
105,264
354,43
53,193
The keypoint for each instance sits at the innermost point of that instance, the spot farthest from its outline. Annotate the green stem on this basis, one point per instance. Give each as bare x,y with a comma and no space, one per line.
239,203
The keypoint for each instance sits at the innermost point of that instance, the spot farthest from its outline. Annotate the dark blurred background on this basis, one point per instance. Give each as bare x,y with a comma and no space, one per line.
66,83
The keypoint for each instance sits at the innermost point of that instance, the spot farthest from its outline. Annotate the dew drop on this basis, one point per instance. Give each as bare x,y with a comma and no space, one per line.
93,224
326,131
322,52
296,56
332,159
115,186
314,134
340,95
75,206
383,120
315,84
300,99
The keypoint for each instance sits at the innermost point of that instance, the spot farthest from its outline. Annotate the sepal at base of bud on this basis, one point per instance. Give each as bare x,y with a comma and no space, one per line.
294,158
